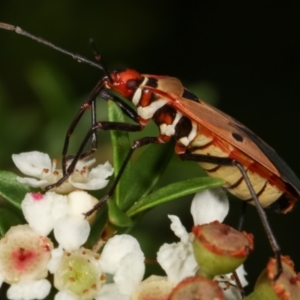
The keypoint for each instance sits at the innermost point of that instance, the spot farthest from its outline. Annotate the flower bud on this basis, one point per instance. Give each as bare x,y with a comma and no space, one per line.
220,249
197,287
286,287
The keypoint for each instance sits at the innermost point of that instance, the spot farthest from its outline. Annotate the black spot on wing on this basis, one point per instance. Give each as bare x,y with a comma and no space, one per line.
285,171
237,137
190,96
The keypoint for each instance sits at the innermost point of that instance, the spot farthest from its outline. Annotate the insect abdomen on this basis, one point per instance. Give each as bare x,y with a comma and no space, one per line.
206,144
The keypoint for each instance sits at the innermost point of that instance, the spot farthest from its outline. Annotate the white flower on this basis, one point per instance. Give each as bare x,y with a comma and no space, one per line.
123,258
24,255
38,165
177,259
78,275
46,211
75,272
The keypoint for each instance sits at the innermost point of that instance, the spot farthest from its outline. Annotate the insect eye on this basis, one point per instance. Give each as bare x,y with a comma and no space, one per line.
132,84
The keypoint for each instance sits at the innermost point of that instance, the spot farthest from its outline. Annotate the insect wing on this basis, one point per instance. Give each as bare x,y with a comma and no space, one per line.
239,136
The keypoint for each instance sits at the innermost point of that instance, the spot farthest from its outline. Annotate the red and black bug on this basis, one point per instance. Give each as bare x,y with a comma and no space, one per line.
224,148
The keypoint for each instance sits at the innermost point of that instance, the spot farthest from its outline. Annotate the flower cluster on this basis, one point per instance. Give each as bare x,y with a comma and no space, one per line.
55,242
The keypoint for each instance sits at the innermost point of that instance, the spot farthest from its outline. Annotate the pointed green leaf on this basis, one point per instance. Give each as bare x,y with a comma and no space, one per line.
147,170
11,189
174,191
116,216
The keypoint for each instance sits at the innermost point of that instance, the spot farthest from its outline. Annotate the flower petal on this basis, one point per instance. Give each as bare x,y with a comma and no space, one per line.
177,260
209,205
96,179
33,182
115,250
42,210
65,295
110,292
179,229
71,232
133,264
32,163
38,289
56,255
80,202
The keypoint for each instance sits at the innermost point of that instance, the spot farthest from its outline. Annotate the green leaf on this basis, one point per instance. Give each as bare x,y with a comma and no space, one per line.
147,170
12,190
7,220
97,227
174,191
116,216
121,145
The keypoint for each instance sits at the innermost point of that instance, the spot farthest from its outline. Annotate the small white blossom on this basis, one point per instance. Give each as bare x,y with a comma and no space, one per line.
123,258
38,165
78,275
24,255
177,259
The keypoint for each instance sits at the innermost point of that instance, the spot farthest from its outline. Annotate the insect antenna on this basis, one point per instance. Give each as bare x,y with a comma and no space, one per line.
79,58
99,58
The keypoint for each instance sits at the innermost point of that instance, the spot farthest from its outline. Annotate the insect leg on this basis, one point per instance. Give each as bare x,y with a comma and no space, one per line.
136,144
126,109
226,161
91,103
106,125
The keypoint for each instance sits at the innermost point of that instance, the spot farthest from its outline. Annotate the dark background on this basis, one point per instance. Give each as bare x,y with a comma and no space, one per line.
242,56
